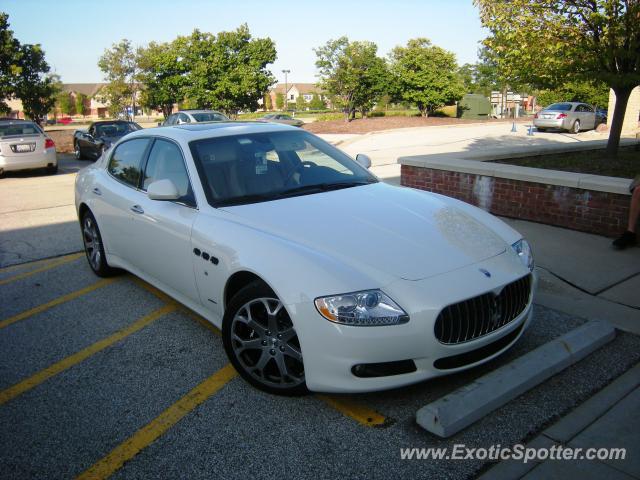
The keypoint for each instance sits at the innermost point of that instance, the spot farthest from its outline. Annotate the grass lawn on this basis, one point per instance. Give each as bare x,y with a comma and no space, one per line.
625,165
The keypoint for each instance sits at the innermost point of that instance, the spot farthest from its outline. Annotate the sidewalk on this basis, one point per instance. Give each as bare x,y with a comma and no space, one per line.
609,419
580,274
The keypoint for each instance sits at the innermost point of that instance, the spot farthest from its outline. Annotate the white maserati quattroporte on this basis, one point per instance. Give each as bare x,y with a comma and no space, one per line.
320,276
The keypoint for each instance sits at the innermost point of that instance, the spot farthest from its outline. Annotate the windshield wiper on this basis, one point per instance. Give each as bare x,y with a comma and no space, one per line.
292,192
322,187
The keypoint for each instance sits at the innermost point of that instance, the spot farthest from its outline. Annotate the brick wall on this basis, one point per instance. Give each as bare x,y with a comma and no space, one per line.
591,211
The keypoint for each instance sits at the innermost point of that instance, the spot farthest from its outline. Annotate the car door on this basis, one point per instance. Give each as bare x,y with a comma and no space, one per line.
161,230
115,191
589,117
84,143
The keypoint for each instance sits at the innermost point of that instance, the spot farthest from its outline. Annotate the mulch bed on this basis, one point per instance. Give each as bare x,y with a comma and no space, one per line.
63,139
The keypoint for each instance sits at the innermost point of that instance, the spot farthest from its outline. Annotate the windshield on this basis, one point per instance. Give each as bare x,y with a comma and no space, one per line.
16,129
116,129
209,117
563,107
259,167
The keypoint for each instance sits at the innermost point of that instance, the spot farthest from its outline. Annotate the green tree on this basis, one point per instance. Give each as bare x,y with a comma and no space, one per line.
120,68
34,86
63,101
576,91
266,102
80,100
162,71
9,55
279,101
545,42
352,74
301,103
228,71
426,75
317,103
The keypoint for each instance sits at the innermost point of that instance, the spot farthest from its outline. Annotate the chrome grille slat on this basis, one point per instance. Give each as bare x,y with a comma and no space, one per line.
473,318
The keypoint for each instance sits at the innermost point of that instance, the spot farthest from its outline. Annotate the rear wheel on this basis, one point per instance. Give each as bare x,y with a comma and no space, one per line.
575,128
94,248
540,129
53,169
261,343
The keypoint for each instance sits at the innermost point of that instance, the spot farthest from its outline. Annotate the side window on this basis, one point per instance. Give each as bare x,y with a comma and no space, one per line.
171,120
126,159
183,118
587,108
166,162
92,130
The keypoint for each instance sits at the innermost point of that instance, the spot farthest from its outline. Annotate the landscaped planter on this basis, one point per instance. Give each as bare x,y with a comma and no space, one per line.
588,203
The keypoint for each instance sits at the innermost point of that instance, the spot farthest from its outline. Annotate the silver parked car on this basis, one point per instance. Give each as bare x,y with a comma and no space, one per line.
282,118
194,116
25,146
570,116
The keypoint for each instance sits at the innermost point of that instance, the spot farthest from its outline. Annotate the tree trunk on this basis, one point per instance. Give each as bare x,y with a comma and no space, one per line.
346,114
622,98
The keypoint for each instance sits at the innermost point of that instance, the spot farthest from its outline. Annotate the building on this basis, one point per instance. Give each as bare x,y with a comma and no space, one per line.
294,90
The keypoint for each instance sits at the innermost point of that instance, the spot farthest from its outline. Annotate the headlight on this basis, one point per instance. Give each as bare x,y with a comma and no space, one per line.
523,250
363,309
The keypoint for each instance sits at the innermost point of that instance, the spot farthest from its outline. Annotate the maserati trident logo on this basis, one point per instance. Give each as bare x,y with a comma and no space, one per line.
486,273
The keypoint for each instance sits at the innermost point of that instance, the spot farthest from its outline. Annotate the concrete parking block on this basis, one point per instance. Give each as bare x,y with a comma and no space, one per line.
452,413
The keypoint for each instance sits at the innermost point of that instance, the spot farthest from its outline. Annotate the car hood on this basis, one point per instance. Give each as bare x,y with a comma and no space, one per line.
403,232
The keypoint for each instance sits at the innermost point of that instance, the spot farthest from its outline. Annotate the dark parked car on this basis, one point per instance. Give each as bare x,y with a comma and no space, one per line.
91,143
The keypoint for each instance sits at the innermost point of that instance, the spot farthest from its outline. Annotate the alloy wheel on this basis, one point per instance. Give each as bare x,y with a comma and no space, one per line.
92,243
77,152
266,345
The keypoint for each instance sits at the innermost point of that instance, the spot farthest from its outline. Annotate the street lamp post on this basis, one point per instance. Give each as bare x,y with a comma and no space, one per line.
286,89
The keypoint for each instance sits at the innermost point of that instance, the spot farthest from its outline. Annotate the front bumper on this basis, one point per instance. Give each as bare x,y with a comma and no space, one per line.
331,351
28,161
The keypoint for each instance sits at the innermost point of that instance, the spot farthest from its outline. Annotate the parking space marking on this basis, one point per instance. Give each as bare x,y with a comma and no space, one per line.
48,265
163,296
68,362
124,452
354,410
56,301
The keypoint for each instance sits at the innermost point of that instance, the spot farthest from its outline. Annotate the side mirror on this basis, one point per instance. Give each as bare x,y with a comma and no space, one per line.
163,189
363,160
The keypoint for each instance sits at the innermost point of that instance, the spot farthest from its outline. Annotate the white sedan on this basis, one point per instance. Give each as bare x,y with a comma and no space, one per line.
320,277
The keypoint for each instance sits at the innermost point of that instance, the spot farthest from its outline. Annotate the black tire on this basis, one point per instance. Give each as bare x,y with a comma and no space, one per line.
93,246
540,129
575,128
275,350
52,170
77,151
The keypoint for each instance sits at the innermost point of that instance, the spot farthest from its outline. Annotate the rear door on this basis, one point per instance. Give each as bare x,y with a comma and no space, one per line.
589,116
115,192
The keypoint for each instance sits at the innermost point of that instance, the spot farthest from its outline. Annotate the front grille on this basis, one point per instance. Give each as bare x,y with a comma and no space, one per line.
478,316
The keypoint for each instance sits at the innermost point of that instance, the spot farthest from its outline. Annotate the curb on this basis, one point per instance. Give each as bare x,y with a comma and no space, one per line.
459,409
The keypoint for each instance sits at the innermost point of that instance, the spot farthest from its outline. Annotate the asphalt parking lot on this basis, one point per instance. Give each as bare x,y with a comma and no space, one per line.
105,378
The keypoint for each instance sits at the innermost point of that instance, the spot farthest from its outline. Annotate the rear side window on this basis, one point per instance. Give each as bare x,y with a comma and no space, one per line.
166,162
126,160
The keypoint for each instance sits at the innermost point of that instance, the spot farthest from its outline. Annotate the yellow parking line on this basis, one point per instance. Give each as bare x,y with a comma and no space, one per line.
124,452
163,296
49,264
56,301
31,263
354,410
70,361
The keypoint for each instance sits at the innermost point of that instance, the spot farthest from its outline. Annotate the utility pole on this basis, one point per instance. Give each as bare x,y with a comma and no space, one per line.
286,89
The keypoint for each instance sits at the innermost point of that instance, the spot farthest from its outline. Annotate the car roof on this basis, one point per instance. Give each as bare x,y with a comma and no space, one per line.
196,131
199,111
14,120
108,122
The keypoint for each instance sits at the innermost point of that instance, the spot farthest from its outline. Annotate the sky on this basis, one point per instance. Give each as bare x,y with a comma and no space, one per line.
74,34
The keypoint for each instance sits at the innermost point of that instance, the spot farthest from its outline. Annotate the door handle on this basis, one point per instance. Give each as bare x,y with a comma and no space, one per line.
97,191
137,209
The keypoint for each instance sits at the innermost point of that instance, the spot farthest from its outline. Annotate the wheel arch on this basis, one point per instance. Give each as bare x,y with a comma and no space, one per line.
237,281
82,209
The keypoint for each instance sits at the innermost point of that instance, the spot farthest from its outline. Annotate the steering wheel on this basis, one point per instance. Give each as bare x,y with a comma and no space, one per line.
298,169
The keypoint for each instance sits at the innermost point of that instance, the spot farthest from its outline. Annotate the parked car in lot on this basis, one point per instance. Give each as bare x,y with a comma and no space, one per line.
25,146
570,116
97,139
282,118
194,116
320,276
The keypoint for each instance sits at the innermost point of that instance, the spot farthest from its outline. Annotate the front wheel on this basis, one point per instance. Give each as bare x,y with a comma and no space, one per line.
77,152
261,343
576,127
540,129
94,248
